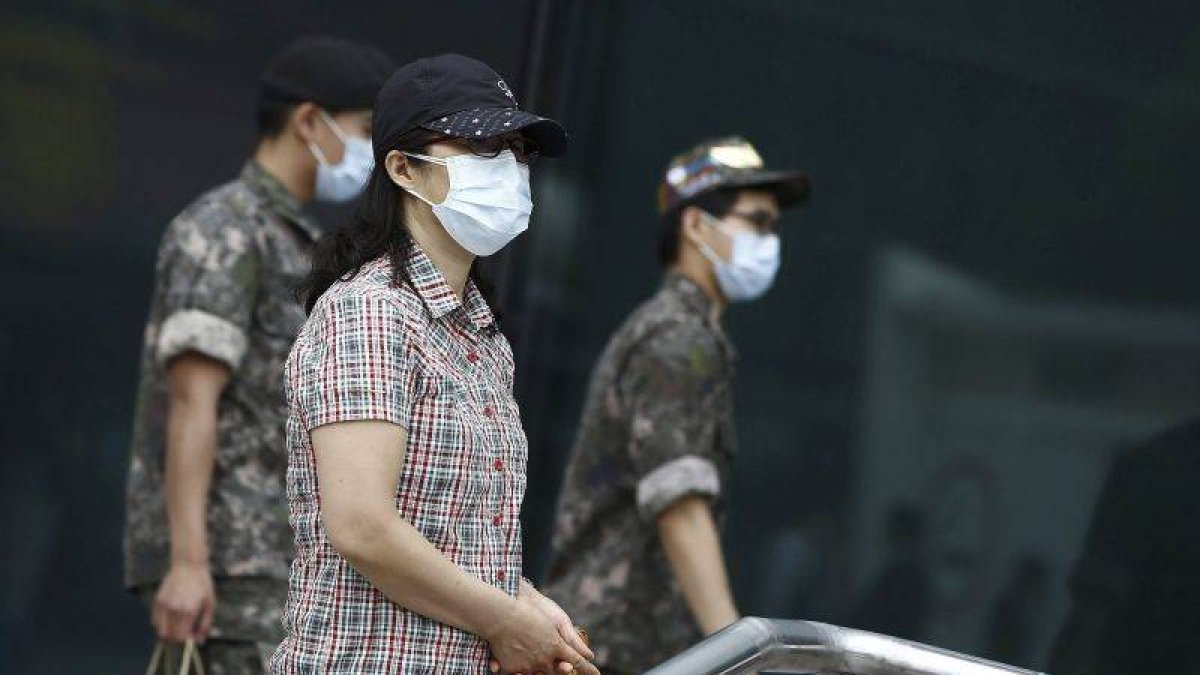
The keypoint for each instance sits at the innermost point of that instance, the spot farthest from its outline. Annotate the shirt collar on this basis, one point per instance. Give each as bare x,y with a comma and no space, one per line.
693,298
278,198
690,294
437,294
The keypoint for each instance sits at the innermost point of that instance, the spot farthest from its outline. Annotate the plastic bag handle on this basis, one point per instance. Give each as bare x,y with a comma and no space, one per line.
191,656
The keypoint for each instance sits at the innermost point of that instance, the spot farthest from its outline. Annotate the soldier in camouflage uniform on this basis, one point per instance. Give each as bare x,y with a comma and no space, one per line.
636,543
207,542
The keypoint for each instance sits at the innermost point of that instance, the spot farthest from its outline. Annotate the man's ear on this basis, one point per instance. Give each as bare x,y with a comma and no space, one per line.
399,169
304,120
692,225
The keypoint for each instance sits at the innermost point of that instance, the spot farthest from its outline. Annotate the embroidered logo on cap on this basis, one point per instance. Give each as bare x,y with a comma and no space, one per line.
705,167
504,87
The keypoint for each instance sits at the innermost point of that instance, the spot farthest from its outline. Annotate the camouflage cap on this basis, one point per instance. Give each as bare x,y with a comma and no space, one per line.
725,163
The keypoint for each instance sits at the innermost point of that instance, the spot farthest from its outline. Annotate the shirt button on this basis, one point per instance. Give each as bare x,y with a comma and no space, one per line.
496,520
472,357
489,411
499,465
501,575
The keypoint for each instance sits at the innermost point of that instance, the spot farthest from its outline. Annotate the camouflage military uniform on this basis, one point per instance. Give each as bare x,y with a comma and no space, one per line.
657,426
226,270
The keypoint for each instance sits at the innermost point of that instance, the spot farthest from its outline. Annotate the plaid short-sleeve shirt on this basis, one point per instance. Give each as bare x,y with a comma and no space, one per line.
418,357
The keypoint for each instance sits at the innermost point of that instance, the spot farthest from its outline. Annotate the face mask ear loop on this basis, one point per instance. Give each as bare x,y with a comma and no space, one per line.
418,196
337,131
705,249
425,158
312,147
717,223
707,252
333,126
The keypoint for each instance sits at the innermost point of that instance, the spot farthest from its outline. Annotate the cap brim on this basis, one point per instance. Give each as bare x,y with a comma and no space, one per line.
791,188
549,135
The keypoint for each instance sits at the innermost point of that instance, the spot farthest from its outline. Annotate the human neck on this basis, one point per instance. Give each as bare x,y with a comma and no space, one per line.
290,163
451,259
699,272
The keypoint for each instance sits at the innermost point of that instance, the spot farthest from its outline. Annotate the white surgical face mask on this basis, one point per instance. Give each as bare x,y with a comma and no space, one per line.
488,204
345,180
752,265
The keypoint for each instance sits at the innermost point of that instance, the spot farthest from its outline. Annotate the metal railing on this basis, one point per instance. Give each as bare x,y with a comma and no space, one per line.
754,644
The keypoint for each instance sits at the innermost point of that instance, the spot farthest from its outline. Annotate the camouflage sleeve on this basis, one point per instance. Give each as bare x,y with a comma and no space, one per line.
208,279
358,365
669,386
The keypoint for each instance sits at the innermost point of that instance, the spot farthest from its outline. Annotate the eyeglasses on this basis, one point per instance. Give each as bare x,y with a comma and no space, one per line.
525,150
762,220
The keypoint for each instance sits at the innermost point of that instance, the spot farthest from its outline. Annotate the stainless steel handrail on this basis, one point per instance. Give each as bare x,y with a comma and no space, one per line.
809,647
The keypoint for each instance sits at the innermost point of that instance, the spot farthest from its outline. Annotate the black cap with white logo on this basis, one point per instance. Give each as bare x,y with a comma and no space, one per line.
460,97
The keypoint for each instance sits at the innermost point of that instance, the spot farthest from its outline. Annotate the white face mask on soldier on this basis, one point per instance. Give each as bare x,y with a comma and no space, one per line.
488,203
345,180
752,266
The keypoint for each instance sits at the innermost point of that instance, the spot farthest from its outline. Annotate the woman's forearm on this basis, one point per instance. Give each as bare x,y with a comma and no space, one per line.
398,560
356,467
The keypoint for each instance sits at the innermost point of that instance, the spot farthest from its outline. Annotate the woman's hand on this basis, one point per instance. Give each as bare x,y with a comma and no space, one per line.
562,622
527,641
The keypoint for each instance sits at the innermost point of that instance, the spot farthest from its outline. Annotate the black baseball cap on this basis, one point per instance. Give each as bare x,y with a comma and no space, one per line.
333,73
460,97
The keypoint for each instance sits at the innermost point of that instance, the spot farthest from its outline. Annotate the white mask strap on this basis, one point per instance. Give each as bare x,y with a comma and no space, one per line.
418,196
707,250
337,131
427,158
312,147
717,223
333,126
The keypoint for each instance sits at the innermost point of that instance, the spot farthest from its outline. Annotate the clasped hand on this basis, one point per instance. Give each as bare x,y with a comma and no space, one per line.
539,638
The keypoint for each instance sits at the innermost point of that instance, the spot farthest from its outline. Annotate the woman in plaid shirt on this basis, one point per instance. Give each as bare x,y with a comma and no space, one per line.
406,465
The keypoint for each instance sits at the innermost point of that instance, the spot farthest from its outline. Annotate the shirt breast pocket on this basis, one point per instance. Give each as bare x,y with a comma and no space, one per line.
440,469
278,311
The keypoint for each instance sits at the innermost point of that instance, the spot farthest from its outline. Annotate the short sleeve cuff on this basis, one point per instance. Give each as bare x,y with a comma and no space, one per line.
200,331
358,366
357,406
678,478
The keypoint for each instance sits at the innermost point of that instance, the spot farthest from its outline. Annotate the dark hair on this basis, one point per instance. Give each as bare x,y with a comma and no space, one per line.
271,115
717,202
376,228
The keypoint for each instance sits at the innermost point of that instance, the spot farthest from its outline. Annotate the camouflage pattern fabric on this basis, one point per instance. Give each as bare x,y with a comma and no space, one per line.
226,269
229,657
657,426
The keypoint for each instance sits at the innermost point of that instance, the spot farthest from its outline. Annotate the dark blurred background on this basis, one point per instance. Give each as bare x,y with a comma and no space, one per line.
992,293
